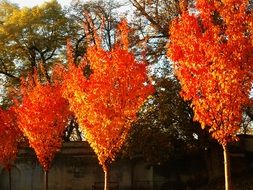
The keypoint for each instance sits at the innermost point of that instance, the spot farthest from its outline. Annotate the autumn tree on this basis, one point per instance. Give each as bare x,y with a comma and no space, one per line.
10,136
211,47
42,116
106,100
99,16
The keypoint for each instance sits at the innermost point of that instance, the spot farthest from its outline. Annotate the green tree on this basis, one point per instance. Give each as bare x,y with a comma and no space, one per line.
29,36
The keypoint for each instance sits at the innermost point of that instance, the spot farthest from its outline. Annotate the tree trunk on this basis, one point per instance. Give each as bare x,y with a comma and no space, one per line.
106,185
228,185
45,180
9,171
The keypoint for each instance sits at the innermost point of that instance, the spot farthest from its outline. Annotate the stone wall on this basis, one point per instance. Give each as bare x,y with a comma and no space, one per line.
75,168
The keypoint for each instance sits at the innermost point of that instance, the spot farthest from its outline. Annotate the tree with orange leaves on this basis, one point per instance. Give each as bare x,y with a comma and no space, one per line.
106,99
42,117
211,47
10,136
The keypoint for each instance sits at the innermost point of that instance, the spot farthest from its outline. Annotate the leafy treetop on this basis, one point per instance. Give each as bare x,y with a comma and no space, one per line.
212,52
107,98
42,117
29,36
10,136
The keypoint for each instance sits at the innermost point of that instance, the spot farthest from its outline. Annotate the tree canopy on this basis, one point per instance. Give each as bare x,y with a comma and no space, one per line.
42,117
213,62
10,136
29,36
211,47
106,101
152,19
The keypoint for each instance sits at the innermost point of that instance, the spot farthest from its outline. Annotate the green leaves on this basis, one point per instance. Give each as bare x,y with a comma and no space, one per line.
29,36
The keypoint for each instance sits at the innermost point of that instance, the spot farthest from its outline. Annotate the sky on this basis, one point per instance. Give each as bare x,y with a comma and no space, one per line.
31,3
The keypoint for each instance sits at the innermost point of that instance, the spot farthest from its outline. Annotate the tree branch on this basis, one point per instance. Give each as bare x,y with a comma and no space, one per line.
155,24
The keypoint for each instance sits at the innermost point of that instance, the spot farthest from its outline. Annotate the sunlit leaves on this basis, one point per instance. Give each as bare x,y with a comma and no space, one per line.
106,101
42,117
212,51
9,135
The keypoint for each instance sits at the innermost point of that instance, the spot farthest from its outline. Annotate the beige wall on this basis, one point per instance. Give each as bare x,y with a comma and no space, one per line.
74,168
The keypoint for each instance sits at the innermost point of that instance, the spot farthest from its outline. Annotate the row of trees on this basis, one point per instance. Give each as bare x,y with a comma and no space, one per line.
209,45
105,102
32,38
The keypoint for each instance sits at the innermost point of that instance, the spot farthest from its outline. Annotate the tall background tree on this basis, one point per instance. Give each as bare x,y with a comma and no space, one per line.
103,14
211,47
164,128
151,22
29,36
166,114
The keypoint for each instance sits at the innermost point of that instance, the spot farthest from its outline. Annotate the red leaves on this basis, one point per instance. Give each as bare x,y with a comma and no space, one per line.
123,29
9,135
106,102
214,64
42,117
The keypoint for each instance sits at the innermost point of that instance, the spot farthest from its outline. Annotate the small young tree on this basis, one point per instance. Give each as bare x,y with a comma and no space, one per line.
10,136
42,117
211,47
105,92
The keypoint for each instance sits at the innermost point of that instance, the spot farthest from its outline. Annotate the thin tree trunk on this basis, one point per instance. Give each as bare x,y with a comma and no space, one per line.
228,185
106,185
45,180
9,171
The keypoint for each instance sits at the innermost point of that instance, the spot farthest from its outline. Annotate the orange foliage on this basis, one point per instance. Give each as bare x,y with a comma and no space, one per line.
42,117
106,102
213,59
9,135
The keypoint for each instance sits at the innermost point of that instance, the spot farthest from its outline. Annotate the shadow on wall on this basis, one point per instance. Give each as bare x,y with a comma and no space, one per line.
76,168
